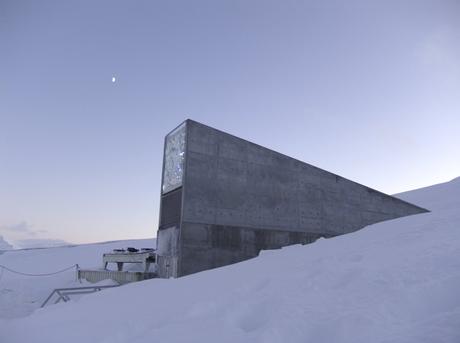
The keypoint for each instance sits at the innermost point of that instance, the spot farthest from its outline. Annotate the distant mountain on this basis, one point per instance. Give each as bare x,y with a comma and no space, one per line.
39,243
4,245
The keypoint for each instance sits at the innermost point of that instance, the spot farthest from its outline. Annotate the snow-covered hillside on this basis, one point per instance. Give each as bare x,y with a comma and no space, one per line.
439,198
396,281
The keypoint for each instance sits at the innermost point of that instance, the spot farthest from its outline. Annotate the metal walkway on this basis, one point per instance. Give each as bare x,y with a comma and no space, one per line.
64,293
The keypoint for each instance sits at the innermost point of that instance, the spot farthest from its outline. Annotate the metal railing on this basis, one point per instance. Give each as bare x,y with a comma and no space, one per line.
64,293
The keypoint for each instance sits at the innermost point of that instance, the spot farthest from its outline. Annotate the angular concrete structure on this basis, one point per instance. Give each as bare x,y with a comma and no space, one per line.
224,199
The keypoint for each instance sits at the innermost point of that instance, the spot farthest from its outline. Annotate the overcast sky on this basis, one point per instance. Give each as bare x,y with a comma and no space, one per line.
366,89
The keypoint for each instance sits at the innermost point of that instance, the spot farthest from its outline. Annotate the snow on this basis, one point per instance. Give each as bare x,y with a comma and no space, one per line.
396,281
441,197
21,295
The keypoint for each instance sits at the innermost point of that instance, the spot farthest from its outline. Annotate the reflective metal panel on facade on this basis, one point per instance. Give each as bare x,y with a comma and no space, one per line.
174,159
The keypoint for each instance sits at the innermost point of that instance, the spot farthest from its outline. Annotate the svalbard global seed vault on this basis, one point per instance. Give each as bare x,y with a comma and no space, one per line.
224,199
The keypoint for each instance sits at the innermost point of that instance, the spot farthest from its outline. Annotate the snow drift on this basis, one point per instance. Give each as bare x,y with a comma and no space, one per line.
396,281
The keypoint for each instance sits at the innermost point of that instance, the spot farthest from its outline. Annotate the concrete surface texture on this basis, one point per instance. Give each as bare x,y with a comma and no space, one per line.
239,198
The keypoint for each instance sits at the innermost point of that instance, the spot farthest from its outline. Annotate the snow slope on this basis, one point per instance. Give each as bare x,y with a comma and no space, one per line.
397,281
440,197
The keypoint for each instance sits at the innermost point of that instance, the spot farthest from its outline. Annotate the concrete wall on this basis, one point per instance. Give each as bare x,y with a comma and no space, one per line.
239,198
168,251
206,246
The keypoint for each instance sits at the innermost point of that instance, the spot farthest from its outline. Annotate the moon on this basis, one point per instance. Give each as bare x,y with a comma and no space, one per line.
113,79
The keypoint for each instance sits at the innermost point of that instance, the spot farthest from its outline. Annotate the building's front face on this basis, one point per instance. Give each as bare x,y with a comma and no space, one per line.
224,199
168,246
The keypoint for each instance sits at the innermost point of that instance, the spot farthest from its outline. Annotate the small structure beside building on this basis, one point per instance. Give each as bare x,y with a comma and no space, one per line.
145,257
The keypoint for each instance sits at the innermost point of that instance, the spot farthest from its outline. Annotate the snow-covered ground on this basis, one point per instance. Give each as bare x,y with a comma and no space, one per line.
20,295
397,281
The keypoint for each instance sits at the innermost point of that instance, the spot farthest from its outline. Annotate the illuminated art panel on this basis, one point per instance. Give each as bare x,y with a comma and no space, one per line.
174,159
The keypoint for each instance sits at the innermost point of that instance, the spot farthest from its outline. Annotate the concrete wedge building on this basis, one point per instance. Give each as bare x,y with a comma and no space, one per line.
224,199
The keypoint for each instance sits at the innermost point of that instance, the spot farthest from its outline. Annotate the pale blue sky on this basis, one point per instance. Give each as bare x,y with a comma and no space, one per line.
366,89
